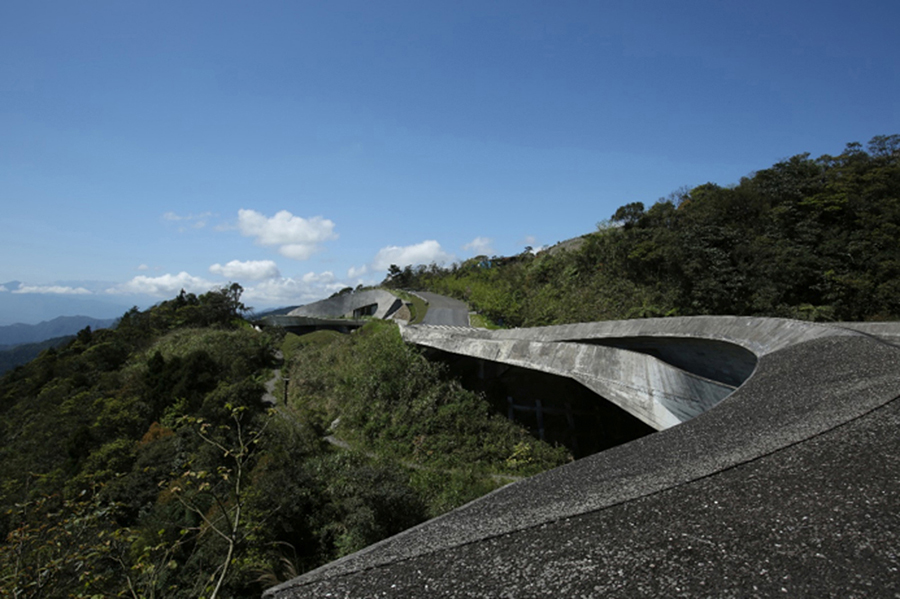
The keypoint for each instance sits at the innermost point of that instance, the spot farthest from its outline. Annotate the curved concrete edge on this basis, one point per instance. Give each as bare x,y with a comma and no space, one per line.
813,383
756,334
889,332
344,305
657,393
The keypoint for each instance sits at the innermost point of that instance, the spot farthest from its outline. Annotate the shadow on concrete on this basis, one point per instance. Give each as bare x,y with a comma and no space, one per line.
719,361
553,408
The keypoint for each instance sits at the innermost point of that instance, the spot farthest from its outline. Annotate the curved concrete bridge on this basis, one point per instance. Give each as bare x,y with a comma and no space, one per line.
782,476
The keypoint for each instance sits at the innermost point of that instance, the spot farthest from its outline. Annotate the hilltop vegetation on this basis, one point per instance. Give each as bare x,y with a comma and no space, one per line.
141,461
808,238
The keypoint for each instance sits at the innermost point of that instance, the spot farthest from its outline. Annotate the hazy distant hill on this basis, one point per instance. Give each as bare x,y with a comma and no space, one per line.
17,334
269,312
17,307
22,354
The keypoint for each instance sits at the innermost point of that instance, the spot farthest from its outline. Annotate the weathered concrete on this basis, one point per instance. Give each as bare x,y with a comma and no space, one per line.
789,486
384,302
657,393
308,324
445,310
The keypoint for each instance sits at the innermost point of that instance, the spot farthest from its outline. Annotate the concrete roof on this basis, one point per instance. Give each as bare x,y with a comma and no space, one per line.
790,486
344,305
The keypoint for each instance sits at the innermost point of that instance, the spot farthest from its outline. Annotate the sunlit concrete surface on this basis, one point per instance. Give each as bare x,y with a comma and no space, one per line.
788,486
375,303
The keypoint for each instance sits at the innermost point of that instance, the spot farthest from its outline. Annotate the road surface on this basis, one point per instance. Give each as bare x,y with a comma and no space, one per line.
445,310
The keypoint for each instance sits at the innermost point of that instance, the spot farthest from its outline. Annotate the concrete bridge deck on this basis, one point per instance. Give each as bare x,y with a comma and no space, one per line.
788,486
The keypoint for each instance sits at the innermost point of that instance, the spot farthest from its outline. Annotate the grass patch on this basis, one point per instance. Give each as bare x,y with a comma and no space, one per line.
418,306
479,321
293,343
393,401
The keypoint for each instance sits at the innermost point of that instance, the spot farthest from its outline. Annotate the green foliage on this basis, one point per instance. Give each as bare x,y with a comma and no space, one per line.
24,353
418,307
391,399
57,547
141,461
88,471
807,238
366,500
293,344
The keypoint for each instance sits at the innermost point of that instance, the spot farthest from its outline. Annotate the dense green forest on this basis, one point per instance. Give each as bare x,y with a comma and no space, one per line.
142,461
26,352
808,238
148,461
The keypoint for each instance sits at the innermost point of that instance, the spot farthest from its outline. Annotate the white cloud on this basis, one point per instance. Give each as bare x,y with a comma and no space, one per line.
420,253
353,272
480,246
252,270
274,291
2,289
52,289
324,277
177,217
288,291
297,238
197,221
166,285
143,267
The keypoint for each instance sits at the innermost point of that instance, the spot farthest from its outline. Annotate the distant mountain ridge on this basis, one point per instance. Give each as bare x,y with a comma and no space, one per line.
18,334
20,303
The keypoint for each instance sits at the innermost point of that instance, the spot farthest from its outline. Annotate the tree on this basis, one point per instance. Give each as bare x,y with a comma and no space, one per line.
218,496
629,214
884,145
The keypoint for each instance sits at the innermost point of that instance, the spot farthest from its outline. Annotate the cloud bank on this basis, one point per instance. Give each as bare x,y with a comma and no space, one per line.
250,270
52,289
295,237
480,246
353,272
293,291
272,291
166,285
421,253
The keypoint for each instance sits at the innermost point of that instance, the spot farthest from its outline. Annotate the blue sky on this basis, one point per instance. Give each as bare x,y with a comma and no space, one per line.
298,147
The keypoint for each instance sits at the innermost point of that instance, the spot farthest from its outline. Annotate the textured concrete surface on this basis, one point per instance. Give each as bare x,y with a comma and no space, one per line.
649,388
307,324
344,305
444,310
790,486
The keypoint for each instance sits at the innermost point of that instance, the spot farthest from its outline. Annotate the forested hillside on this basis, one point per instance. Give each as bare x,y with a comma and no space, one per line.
142,461
145,461
808,238
22,354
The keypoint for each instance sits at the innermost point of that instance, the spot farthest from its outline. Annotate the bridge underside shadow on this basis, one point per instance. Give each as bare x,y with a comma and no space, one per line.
720,361
663,381
553,408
